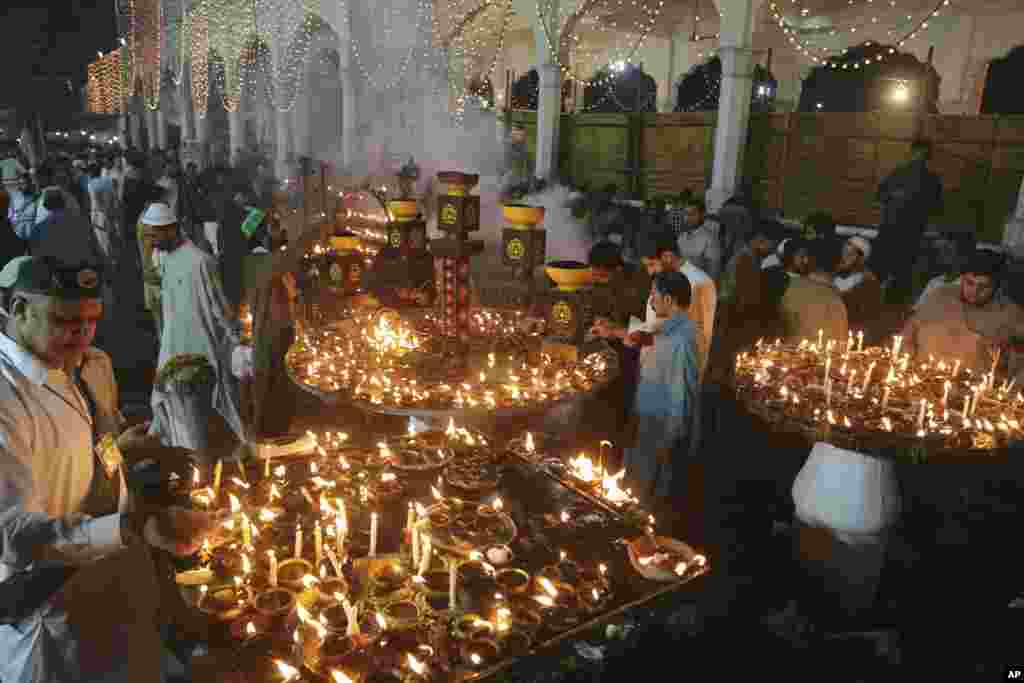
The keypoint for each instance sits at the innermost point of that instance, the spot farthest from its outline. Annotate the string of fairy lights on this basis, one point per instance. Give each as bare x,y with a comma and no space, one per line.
199,44
468,65
398,74
146,21
565,41
820,55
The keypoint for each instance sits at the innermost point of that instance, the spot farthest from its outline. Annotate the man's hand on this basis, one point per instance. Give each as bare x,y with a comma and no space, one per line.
180,531
137,437
639,339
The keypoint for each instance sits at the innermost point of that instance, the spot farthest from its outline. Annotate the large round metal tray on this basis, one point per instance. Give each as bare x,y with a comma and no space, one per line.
444,541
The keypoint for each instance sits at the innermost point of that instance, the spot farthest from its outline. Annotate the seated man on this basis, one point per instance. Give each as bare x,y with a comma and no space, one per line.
666,394
809,306
860,289
966,322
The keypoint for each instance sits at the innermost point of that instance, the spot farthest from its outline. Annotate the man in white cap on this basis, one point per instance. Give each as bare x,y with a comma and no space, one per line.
78,590
154,217
198,321
860,289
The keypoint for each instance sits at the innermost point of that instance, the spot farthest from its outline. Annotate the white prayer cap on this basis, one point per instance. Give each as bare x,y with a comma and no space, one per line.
159,214
862,245
781,249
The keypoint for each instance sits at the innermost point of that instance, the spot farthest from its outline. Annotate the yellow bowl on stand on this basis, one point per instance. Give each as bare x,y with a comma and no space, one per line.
521,214
403,209
570,276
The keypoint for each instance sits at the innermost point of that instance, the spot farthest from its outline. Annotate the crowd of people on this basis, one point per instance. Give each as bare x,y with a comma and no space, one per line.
74,536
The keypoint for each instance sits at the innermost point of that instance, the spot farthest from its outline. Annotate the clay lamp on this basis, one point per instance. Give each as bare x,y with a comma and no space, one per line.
335,649
439,519
402,614
291,572
335,618
225,602
331,587
387,579
593,596
499,555
512,581
391,651
524,617
250,625
476,576
467,625
595,573
204,499
227,560
478,654
568,570
276,607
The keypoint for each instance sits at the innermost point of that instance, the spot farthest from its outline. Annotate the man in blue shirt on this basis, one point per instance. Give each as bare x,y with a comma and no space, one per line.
667,392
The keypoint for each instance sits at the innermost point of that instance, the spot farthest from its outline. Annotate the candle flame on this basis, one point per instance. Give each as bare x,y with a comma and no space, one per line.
603,568
565,517
250,630
382,622
595,594
339,677
246,565
412,428
289,672
313,468
681,568
450,431
304,615
417,667
435,493
274,493
545,600
195,476
548,587
475,658
280,472
498,505
309,581
529,445
235,505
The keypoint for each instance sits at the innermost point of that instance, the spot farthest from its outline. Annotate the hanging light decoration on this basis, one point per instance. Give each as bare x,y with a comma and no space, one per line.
146,28
230,30
821,55
377,76
175,36
565,40
286,29
476,44
199,49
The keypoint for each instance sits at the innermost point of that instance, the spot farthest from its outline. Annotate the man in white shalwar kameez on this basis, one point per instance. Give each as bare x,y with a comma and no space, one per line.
197,320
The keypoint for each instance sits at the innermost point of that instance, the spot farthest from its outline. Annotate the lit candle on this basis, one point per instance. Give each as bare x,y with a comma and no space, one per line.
897,342
246,531
318,542
851,382
947,385
298,541
604,447
867,376
425,552
273,568
885,398
967,406
956,368
415,546
821,337
828,370
218,470
266,468
410,518
860,342
849,342
452,578
920,414
373,534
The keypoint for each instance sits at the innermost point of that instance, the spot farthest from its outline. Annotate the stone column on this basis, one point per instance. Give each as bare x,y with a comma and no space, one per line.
349,98
151,126
549,105
737,30
135,124
282,142
161,129
236,134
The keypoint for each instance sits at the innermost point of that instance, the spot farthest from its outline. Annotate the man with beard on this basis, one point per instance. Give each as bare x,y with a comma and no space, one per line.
809,306
700,243
198,321
859,288
966,322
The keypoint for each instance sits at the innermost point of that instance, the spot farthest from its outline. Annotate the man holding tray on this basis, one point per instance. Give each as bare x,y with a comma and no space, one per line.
78,591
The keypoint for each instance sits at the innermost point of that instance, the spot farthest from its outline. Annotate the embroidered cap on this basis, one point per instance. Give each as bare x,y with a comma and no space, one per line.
159,214
50,277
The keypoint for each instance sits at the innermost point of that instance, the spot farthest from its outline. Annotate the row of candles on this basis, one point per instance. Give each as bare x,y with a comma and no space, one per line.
900,375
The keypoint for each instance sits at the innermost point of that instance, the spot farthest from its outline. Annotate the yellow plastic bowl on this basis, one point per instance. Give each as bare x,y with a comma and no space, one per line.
403,209
570,275
521,214
345,243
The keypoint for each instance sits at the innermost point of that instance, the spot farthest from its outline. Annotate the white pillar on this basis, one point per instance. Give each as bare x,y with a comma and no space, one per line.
549,105
151,125
349,98
236,134
737,32
283,135
161,129
135,124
